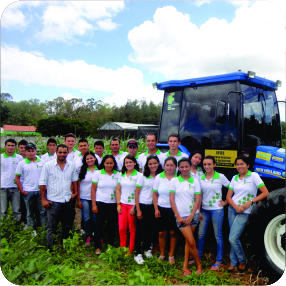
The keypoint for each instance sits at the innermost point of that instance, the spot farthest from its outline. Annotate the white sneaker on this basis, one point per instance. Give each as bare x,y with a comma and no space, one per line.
148,253
82,232
25,227
34,233
139,260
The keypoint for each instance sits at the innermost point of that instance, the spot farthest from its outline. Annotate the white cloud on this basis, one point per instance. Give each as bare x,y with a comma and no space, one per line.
201,2
13,18
178,49
121,84
85,91
63,21
68,96
107,25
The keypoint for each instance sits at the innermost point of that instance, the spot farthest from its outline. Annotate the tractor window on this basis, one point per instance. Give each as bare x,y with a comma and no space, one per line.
261,117
198,128
170,117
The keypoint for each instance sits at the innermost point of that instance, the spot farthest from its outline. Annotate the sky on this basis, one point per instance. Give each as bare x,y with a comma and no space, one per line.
114,50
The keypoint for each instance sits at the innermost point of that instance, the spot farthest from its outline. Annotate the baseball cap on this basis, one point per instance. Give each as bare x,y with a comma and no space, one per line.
30,146
132,143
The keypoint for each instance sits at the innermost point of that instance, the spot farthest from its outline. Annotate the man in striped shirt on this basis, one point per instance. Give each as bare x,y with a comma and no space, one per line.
58,186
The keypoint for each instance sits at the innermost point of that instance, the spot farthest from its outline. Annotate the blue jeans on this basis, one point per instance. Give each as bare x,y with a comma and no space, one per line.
33,204
88,217
237,224
13,195
217,219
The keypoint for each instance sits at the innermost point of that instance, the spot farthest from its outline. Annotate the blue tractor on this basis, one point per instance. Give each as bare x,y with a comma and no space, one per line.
226,116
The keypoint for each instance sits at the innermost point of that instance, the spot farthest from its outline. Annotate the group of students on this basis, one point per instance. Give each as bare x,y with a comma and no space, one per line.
151,193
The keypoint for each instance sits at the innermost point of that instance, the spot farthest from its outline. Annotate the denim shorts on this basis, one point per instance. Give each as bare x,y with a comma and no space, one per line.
194,221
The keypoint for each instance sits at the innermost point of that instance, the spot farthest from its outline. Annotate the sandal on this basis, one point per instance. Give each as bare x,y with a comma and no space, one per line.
171,259
161,258
199,272
191,261
231,268
216,266
187,272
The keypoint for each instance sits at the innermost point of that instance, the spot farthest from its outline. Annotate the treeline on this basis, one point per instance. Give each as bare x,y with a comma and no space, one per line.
60,116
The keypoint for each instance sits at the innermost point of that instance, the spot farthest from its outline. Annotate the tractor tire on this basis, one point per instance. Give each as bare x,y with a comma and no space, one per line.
267,225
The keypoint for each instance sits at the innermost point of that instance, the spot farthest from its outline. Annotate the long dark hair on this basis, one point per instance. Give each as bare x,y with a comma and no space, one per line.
130,157
84,166
147,171
197,152
115,167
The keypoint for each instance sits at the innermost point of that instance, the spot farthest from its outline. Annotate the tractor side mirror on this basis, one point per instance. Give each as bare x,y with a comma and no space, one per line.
221,111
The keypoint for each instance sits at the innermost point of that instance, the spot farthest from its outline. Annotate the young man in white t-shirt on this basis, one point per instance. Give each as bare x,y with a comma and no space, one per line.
115,151
152,141
70,141
9,190
99,148
21,147
174,142
83,148
132,148
30,170
51,155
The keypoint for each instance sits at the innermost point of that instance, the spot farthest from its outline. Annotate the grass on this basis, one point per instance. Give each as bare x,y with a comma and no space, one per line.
25,260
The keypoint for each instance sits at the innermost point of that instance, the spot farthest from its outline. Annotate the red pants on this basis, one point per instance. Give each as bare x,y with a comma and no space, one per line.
123,219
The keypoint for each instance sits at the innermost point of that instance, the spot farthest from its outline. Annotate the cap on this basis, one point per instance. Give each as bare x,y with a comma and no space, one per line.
132,143
30,146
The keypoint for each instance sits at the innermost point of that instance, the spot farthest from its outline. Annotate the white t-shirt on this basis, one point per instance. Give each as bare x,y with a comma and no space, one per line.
246,189
211,190
77,161
99,159
143,158
85,184
31,173
48,157
106,186
178,157
128,187
185,191
162,187
146,193
71,155
198,174
8,168
119,159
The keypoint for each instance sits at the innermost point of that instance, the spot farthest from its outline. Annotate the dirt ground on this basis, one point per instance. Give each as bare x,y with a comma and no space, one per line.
252,276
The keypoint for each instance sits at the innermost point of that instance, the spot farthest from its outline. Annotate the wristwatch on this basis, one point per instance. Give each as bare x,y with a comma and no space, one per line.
252,202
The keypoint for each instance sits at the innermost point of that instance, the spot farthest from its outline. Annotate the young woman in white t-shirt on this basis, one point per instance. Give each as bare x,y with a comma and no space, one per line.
165,219
185,201
145,208
241,195
212,207
88,168
125,196
103,195
196,158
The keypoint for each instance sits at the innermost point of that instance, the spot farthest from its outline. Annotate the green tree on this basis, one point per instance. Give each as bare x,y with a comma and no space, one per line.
25,112
56,125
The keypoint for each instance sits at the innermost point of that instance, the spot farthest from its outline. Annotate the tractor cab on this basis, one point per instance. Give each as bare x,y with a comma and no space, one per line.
223,115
